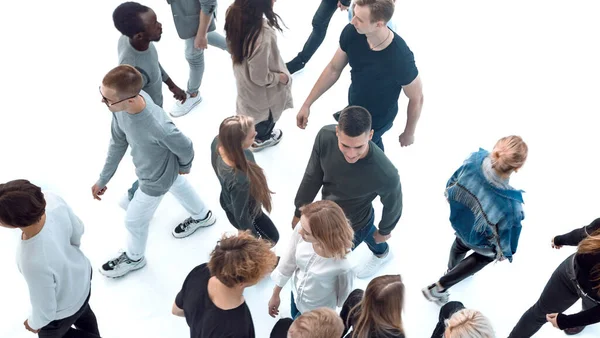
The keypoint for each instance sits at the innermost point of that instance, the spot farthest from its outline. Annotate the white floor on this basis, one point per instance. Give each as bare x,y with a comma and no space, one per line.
489,69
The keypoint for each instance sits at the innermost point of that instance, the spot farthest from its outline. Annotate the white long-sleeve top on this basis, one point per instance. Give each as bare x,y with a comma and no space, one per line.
316,281
57,273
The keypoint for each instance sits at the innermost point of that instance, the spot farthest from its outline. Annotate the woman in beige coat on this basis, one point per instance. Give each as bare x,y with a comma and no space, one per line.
263,81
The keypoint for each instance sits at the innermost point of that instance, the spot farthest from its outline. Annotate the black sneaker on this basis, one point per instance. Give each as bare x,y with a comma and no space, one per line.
574,330
121,266
190,225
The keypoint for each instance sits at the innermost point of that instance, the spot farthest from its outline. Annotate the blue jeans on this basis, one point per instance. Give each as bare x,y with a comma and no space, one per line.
295,312
366,235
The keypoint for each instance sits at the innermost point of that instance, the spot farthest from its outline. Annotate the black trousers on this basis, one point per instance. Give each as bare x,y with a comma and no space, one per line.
320,22
560,293
353,298
446,312
264,128
263,225
84,321
460,267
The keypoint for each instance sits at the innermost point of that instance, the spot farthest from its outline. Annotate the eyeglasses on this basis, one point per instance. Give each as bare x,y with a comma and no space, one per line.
108,104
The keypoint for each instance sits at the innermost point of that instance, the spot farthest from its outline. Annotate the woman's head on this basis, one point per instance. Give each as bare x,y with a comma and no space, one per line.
243,24
241,260
591,245
324,224
468,323
380,310
237,133
509,154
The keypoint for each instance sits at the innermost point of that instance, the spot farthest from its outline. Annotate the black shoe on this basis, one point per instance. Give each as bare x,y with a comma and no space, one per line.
295,65
574,330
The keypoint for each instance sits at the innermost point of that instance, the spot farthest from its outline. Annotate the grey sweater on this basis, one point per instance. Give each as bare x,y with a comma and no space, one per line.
159,150
235,189
56,271
186,15
147,63
353,186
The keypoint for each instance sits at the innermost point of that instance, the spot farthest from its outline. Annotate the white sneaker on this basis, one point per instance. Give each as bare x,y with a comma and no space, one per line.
373,265
276,136
433,294
121,266
181,109
190,225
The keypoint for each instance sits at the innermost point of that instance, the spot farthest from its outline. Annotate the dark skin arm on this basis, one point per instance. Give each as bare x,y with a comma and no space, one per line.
178,93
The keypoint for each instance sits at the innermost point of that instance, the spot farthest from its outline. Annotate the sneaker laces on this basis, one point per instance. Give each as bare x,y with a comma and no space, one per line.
186,223
119,260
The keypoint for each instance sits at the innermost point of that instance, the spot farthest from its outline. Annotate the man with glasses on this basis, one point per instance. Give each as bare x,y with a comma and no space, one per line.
161,155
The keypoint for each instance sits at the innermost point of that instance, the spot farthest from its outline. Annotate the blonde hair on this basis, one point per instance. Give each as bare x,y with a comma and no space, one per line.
380,309
330,227
468,323
318,323
509,153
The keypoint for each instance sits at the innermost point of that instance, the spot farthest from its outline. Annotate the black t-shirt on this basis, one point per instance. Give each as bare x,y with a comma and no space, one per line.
377,76
204,318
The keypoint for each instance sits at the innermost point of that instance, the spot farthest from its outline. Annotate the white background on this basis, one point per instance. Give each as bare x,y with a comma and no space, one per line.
489,69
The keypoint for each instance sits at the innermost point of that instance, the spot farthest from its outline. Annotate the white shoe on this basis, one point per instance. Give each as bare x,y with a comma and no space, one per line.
190,225
121,266
432,294
181,109
373,265
276,136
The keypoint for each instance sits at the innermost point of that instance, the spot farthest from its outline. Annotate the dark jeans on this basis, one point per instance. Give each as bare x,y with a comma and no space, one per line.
281,328
295,313
366,235
133,189
320,22
445,313
262,223
264,128
84,321
560,293
353,299
460,267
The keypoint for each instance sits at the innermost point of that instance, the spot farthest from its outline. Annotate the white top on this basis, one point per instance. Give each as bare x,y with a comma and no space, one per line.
317,281
56,271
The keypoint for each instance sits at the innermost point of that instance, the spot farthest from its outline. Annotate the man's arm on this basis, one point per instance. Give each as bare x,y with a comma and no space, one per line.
391,198
177,311
207,10
414,92
312,180
116,151
42,294
330,75
181,146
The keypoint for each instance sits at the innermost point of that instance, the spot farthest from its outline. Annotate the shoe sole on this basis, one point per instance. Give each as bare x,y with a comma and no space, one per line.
126,273
191,108
179,236
256,150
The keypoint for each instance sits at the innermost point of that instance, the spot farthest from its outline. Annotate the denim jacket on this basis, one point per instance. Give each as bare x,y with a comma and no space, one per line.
487,218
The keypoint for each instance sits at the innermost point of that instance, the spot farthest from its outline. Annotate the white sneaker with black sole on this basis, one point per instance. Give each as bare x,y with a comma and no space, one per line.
190,225
275,138
121,266
181,109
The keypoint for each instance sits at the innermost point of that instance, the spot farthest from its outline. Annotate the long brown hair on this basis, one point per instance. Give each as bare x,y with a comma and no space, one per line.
591,245
232,133
380,310
244,23
330,227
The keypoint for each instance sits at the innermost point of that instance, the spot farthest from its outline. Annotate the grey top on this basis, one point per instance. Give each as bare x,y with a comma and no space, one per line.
353,186
56,271
147,63
493,177
159,150
235,189
186,15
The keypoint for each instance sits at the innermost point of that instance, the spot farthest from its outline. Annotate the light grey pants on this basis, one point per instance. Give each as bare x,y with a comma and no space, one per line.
142,208
195,58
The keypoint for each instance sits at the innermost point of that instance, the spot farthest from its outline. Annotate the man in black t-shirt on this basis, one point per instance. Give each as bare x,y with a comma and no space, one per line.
211,299
382,65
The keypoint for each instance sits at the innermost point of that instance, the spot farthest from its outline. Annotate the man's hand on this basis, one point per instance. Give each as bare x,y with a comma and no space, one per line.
200,42
342,7
551,318
379,238
406,139
302,117
26,323
554,246
97,192
295,221
178,94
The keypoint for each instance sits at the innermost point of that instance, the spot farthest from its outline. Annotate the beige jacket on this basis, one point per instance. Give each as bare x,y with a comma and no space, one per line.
257,80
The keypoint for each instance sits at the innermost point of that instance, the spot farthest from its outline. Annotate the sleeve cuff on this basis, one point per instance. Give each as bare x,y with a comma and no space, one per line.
297,213
101,183
558,240
560,321
279,278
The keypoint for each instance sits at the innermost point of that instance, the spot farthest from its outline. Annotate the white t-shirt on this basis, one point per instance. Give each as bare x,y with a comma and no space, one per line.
317,281
57,273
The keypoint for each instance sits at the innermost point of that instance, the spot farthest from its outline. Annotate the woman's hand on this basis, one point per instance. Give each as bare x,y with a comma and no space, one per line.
283,78
274,303
551,318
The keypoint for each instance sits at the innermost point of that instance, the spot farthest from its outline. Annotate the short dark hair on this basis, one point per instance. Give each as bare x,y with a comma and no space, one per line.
21,203
354,121
126,18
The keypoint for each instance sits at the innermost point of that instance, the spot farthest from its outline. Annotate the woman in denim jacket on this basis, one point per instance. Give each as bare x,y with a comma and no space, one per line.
485,211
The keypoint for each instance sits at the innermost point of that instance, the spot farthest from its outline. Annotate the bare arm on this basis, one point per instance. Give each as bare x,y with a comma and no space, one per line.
414,92
177,311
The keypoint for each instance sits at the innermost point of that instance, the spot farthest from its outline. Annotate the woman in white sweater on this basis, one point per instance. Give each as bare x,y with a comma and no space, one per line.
316,261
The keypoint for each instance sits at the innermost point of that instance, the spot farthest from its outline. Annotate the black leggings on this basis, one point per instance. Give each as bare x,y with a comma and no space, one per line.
460,267
263,227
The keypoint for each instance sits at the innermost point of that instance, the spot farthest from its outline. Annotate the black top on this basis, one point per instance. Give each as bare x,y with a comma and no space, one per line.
377,76
354,299
353,186
584,265
235,189
204,318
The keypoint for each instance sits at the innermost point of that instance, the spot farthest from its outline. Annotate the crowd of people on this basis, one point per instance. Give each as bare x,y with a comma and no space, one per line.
347,164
